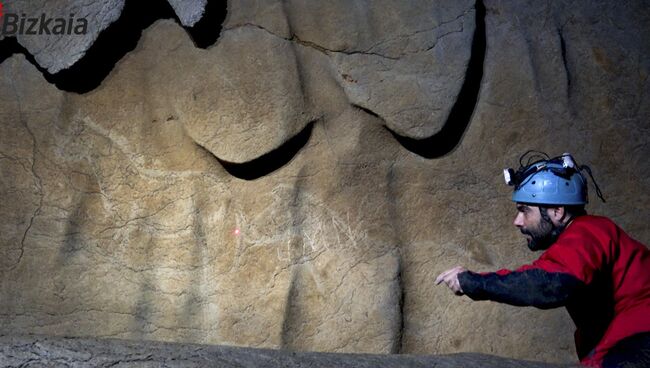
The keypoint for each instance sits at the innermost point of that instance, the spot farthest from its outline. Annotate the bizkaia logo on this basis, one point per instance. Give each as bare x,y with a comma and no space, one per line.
15,24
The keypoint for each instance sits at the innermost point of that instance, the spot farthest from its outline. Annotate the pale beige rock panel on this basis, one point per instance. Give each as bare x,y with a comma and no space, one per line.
404,61
116,223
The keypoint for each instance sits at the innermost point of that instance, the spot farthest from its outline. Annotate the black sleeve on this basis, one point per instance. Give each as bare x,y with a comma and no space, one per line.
533,287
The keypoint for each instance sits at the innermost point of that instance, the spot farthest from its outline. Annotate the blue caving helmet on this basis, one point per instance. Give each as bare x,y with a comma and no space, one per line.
554,181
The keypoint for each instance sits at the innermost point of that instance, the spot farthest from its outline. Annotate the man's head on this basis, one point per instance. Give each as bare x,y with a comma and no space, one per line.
549,193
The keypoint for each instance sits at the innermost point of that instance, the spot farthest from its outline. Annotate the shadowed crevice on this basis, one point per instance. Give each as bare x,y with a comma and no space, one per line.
398,348
392,199
10,46
120,38
565,61
367,111
268,162
207,30
292,313
460,114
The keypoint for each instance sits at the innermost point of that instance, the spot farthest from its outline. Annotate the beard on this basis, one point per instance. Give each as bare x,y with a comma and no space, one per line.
543,235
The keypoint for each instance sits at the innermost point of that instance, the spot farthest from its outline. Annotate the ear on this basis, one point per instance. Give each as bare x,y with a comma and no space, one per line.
556,214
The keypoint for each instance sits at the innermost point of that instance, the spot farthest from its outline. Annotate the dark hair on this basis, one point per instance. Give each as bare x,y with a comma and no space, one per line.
575,210
572,211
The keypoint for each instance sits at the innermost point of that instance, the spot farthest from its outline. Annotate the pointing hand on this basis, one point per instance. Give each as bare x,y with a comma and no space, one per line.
450,278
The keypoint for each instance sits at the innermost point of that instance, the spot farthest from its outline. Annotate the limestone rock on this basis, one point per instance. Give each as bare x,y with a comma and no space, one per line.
189,12
16,351
121,216
238,118
55,52
405,62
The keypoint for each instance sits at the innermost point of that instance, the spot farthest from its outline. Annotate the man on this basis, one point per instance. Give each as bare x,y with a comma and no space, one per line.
589,265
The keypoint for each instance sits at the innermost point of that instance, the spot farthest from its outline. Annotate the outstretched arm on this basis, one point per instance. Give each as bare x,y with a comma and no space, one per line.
528,287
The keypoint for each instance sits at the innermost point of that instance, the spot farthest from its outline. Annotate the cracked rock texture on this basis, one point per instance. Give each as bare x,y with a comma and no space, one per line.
117,218
20,351
54,52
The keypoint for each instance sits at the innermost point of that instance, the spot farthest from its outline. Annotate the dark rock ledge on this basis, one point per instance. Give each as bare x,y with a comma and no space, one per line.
46,351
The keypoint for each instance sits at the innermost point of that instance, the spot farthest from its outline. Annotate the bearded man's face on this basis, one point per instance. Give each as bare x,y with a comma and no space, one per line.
539,231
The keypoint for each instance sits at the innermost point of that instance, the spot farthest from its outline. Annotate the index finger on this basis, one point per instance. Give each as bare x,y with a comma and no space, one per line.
441,277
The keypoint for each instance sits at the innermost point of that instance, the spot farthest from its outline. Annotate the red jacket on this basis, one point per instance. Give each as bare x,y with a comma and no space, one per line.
596,270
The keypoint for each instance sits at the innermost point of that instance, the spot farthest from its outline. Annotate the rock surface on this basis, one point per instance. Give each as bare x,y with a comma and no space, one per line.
250,194
55,52
188,11
39,351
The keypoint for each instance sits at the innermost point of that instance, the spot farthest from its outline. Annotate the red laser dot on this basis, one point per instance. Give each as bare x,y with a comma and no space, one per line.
236,232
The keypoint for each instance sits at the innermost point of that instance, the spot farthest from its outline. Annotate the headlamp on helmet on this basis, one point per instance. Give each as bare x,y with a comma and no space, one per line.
545,180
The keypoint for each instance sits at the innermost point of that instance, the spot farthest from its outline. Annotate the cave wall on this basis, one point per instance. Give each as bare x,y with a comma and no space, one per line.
299,182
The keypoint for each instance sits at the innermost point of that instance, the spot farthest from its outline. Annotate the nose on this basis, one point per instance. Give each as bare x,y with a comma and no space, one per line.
519,220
